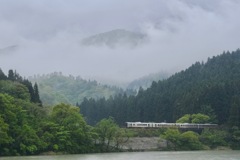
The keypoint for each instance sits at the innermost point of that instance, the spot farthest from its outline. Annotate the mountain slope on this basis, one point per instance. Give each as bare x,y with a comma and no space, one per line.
115,38
146,81
56,88
211,88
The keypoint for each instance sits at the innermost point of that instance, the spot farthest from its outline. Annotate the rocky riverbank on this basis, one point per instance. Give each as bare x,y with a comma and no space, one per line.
144,144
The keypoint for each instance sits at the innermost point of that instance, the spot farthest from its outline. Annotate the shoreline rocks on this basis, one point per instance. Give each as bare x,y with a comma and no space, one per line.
144,144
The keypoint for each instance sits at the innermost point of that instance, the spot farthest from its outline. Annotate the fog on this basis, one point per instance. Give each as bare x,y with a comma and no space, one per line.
48,35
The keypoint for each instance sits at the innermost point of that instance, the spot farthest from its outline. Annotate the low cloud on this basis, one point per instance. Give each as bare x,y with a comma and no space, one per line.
49,33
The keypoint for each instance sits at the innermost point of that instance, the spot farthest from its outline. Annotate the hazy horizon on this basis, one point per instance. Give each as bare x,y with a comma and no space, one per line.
46,35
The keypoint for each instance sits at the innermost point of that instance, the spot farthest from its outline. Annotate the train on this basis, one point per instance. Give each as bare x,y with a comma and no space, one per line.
170,125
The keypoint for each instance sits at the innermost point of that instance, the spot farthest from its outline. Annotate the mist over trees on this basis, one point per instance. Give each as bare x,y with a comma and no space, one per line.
57,88
117,41
203,93
210,88
146,81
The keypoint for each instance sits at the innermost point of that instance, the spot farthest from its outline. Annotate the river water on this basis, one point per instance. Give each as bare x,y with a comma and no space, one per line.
183,155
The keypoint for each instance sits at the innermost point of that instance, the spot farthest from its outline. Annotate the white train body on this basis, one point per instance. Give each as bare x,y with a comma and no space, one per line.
169,125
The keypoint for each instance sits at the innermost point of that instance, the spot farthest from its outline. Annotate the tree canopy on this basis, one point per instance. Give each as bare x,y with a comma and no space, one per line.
194,118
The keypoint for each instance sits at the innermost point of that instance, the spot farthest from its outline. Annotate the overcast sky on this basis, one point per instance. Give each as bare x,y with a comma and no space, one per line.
180,32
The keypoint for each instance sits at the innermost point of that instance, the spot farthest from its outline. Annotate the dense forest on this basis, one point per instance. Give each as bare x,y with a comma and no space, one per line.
57,88
205,92
211,88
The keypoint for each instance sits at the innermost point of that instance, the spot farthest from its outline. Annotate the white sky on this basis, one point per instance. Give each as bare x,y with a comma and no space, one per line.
181,32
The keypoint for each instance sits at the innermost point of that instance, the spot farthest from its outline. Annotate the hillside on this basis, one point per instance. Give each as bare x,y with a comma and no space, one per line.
115,38
18,87
29,128
212,88
146,81
56,88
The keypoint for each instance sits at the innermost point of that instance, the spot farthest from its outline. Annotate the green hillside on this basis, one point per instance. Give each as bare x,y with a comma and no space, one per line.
29,128
56,88
211,88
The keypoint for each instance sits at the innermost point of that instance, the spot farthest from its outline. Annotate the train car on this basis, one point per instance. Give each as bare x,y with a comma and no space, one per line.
169,125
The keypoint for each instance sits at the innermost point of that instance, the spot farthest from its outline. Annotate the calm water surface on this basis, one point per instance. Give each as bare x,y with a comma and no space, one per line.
192,155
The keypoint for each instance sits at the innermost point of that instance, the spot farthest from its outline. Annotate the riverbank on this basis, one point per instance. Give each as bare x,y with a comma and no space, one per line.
136,144
144,144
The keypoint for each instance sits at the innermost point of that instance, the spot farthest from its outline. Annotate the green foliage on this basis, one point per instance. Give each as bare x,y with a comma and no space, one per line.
234,117
28,140
15,89
55,137
207,110
36,97
235,138
209,138
18,87
4,137
110,136
184,119
194,118
200,118
213,138
72,131
20,137
173,136
190,141
32,91
107,130
26,128
182,141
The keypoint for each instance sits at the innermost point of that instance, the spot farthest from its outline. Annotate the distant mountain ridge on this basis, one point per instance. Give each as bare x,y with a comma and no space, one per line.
146,81
115,38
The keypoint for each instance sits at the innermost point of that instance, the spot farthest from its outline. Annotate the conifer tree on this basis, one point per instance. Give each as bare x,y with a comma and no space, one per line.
2,75
28,84
234,115
36,95
11,75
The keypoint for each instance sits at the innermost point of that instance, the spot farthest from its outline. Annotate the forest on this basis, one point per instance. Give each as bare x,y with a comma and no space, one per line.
211,88
207,91
28,127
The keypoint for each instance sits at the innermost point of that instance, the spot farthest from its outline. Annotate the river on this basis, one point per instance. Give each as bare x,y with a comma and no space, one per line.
182,155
